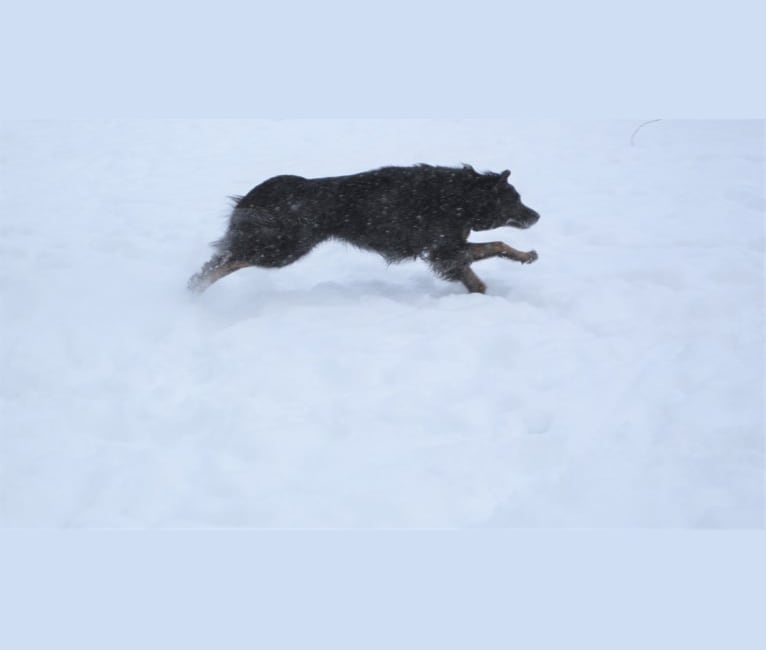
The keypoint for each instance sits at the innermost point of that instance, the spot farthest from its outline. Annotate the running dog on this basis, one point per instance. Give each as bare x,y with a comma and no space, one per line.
399,212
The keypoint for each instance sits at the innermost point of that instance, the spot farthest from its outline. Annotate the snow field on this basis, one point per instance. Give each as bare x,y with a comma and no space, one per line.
618,381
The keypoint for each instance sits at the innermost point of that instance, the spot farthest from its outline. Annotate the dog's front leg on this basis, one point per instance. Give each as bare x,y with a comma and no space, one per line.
453,263
472,281
499,249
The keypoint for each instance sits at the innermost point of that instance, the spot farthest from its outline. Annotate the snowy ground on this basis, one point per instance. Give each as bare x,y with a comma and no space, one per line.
616,382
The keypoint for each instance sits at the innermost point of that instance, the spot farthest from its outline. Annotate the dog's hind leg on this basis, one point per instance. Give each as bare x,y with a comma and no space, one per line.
499,249
212,271
272,252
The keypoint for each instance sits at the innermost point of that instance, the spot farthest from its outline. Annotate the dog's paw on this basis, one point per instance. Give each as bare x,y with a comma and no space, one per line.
529,257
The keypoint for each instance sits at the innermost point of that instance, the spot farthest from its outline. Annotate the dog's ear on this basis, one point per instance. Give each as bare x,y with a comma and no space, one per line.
503,178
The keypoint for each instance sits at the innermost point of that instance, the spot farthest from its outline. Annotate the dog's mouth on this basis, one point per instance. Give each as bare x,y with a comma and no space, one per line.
521,225
530,219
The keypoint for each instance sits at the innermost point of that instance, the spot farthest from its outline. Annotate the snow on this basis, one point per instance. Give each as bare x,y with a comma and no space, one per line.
618,381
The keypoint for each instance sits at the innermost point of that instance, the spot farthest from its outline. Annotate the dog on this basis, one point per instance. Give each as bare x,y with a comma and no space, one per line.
423,211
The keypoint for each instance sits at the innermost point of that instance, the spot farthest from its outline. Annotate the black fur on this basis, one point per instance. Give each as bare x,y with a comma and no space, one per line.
399,212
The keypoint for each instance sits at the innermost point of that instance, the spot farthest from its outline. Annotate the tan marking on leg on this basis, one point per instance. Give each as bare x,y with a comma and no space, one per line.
499,249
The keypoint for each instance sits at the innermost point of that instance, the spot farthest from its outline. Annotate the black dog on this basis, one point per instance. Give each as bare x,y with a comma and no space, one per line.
399,212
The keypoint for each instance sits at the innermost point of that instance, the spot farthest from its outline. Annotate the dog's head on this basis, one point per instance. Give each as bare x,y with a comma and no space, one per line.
503,205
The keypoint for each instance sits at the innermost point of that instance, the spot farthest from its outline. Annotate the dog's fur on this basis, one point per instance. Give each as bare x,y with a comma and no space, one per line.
399,212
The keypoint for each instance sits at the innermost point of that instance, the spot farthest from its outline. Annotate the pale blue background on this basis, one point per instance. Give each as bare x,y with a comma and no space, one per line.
402,58
561,589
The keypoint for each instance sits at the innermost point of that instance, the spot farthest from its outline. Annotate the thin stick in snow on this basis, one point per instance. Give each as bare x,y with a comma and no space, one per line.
639,127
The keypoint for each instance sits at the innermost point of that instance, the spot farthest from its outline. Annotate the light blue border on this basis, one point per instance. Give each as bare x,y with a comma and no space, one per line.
589,59
426,589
